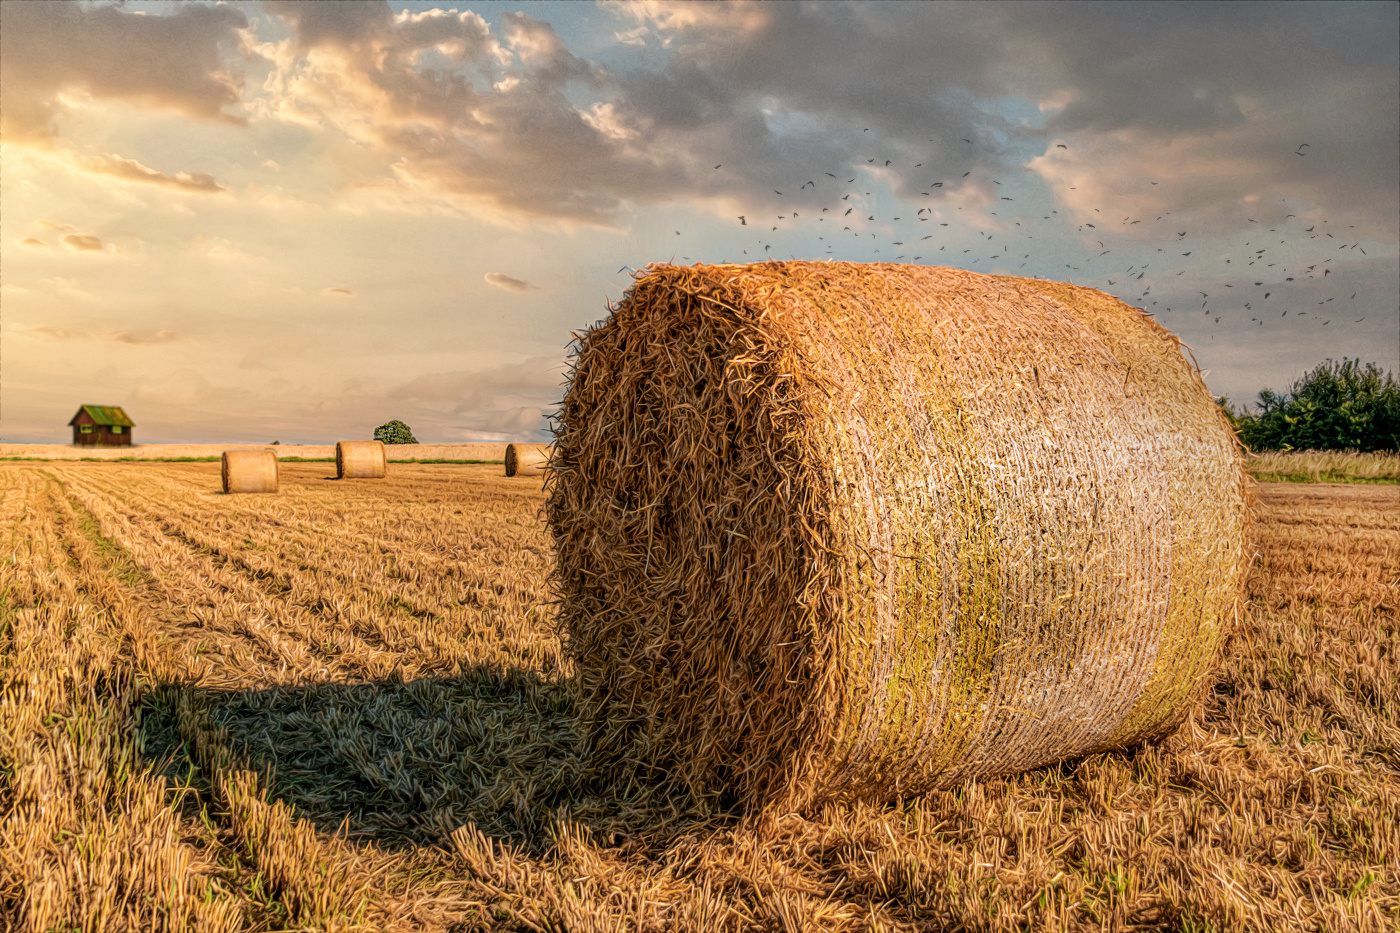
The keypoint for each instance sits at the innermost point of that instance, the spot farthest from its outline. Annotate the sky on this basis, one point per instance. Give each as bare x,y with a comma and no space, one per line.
292,221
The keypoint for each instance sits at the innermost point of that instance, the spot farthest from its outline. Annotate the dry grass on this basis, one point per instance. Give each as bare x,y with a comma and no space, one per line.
1324,466
344,708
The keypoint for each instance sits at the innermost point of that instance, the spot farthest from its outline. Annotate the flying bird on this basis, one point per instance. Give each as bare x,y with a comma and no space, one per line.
1063,146
742,221
716,166
1300,149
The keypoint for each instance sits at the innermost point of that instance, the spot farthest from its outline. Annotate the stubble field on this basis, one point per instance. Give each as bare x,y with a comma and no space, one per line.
343,707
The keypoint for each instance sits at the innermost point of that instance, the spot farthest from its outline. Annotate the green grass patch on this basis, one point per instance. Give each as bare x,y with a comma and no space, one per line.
1326,478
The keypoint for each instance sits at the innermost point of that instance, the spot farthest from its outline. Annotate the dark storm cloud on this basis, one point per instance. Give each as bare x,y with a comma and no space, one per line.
1245,83
170,61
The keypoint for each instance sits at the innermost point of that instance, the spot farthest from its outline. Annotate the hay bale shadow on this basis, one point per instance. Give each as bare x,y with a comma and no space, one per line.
398,763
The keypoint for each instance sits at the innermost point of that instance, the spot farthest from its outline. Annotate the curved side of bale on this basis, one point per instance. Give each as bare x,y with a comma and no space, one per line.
248,471
360,460
526,459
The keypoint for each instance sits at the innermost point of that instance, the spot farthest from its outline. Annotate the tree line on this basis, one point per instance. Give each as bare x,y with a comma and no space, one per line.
1336,406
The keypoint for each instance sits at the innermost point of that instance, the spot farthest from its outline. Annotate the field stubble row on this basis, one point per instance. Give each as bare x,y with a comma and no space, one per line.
344,707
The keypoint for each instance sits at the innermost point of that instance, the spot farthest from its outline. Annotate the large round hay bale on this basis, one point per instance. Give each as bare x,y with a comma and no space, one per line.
249,471
360,460
526,459
835,531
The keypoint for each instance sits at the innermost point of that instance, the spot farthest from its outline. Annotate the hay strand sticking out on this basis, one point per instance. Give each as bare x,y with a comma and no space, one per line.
526,459
837,531
360,460
248,471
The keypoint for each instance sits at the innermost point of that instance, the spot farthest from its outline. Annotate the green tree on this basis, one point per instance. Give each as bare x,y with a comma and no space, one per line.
394,432
1336,406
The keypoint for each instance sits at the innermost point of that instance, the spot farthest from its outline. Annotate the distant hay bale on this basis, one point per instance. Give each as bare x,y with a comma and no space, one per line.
526,459
837,531
249,471
360,460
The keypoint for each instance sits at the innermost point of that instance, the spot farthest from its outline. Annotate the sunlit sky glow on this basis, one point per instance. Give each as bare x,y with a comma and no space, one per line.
295,221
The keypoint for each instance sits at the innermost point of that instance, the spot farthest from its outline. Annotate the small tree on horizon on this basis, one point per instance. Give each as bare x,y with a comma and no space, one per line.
394,432
1335,406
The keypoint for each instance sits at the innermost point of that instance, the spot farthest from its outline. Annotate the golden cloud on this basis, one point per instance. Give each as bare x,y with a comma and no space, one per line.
82,242
509,284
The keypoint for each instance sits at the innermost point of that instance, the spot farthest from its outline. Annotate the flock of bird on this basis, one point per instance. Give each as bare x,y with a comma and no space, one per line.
1243,276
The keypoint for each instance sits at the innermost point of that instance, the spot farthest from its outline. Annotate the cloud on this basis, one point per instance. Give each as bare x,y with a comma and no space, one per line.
483,395
35,242
47,332
130,337
141,337
186,389
82,242
131,170
524,421
340,292
519,126
489,126
170,62
509,284
221,249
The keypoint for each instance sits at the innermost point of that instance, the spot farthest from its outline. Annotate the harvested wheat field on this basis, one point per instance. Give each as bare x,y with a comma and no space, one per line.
345,707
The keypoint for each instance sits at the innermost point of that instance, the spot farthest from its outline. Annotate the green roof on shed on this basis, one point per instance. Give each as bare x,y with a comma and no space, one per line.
109,415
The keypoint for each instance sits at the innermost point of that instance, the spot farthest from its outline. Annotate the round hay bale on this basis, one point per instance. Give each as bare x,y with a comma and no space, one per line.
360,460
249,471
526,459
838,531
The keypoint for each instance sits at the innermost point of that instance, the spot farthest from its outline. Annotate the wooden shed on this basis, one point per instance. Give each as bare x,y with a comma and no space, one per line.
101,426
